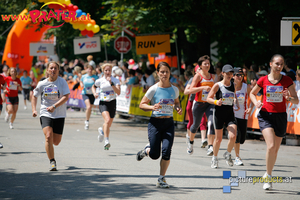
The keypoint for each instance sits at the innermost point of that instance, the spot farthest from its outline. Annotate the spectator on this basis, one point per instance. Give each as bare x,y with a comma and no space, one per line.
218,71
91,62
176,81
132,79
290,72
125,74
131,64
149,80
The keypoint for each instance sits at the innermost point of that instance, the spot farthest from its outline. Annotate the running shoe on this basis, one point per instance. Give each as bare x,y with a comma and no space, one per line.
25,107
190,148
142,153
214,163
268,184
228,159
86,127
106,145
11,125
162,183
53,166
238,161
204,144
1,146
210,151
101,134
6,118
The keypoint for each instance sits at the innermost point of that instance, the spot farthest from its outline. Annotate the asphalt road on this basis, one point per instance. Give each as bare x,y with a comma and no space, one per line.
86,171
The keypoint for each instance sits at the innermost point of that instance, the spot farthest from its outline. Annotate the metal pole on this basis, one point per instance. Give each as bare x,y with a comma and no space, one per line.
105,49
178,64
122,48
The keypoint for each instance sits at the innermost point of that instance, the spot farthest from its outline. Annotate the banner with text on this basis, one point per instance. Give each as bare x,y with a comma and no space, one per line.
87,45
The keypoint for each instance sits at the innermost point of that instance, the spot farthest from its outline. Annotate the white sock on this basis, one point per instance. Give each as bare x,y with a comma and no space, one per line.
214,157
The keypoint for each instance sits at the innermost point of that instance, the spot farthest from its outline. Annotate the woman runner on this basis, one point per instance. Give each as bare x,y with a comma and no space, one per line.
55,93
109,89
13,85
223,114
272,117
163,97
201,85
242,93
87,81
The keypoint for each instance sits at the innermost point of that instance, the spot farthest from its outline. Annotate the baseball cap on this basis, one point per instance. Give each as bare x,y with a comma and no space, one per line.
227,68
238,70
175,72
131,62
263,72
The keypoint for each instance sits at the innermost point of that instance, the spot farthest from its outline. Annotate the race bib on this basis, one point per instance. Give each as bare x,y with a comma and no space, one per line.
12,86
204,95
88,90
274,93
166,106
227,98
26,86
51,93
106,95
241,98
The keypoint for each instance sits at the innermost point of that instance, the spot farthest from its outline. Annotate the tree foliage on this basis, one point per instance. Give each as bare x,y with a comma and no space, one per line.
247,30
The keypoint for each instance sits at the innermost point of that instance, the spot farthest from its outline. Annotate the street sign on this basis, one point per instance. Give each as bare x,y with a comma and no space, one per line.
152,44
296,33
290,32
122,44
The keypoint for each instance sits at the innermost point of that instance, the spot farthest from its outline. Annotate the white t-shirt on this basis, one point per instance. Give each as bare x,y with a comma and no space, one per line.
51,93
106,92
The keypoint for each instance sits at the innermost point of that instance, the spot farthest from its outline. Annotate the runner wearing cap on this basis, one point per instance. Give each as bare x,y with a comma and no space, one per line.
272,117
241,115
201,85
223,114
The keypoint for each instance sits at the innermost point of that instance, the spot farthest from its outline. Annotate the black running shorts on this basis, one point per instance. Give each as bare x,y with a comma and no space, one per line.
56,124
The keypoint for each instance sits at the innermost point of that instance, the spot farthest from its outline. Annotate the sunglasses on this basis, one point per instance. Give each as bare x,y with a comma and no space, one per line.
239,75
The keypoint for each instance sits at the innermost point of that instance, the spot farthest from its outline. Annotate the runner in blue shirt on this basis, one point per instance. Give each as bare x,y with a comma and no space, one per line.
163,97
86,82
26,85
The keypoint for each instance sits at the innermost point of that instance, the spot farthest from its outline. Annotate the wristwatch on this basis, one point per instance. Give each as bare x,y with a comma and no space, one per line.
53,106
112,84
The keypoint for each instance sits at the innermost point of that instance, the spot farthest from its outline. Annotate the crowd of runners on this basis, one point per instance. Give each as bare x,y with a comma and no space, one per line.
220,97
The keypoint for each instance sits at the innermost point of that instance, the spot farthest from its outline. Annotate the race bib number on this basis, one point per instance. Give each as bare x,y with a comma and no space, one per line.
227,98
166,106
274,93
12,86
107,95
51,93
204,95
241,98
88,90
26,86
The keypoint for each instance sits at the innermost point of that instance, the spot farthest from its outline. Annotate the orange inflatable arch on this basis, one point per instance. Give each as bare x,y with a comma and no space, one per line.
18,41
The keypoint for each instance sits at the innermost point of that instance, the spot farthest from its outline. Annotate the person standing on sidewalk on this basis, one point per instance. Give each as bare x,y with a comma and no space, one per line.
223,114
86,82
55,93
164,98
109,89
13,85
272,117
